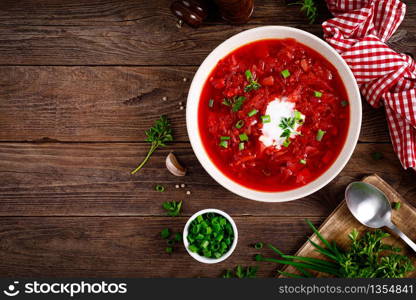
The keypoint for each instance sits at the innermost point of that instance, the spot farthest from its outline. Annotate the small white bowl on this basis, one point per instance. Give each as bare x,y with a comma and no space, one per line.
203,259
261,33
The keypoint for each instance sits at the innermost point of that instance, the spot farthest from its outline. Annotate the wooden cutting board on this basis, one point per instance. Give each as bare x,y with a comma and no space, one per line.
341,222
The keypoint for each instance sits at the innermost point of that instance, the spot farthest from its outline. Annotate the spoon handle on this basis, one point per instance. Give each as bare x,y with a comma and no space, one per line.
402,235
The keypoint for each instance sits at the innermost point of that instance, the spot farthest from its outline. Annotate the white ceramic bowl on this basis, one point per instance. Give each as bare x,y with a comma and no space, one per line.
202,258
273,32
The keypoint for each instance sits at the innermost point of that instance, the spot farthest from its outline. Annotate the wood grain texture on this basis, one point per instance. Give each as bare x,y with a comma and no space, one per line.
108,103
70,134
133,32
128,247
94,179
341,222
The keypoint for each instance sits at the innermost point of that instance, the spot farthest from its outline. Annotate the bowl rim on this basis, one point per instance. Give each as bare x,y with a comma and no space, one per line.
200,258
237,41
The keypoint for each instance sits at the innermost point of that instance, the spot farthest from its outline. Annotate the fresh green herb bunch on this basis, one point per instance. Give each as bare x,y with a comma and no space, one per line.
158,136
366,257
210,235
308,7
241,272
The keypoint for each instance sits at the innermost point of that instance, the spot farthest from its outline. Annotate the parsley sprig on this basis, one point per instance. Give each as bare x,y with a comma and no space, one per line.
252,84
288,126
173,208
235,103
158,136
308,7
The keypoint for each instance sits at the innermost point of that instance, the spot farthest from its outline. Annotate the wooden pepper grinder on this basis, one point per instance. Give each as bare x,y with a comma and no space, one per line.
235,11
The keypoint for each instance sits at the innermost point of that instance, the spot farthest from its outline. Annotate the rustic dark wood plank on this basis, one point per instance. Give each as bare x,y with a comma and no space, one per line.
133,32
93,179
107,103
90,104
129,247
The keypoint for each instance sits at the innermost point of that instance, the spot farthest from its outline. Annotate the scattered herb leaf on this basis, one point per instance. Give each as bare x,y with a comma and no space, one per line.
252,84
165,233
173,208
241,272
308,7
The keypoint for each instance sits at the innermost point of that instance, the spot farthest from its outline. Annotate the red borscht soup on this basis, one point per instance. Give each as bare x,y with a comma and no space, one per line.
273,115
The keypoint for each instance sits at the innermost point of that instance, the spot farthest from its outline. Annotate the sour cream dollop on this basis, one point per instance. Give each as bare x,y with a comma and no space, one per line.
278,109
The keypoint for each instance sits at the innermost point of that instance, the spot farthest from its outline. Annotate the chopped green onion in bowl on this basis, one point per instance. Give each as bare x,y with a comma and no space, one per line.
210,236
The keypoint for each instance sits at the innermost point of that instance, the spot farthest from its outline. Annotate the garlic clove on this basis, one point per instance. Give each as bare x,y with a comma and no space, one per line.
174,166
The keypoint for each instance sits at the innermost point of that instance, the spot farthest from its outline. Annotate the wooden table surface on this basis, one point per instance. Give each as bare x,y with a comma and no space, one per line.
80,81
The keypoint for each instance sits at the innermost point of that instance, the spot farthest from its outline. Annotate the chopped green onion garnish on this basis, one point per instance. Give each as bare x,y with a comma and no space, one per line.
159,188
303,161
258,245
169,250
298,115
224,144
178,237
193,248
211,103
243,137
165,233
252,112
241,146
225,138
344,103
317,94
286,143
396,205
320,134
239,124
265,119
171,242
285,73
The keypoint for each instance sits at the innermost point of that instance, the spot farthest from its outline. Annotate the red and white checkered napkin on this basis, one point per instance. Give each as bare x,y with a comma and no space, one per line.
359,31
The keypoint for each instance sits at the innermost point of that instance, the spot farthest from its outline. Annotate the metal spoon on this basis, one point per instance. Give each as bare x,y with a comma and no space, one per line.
371,208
